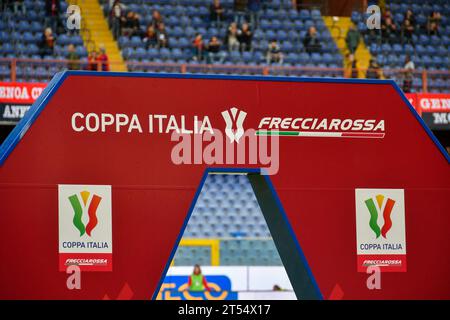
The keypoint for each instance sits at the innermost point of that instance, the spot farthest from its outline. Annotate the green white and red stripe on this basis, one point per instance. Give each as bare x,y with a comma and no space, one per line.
317,134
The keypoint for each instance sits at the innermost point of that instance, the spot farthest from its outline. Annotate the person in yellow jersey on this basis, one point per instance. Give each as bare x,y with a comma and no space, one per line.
197,281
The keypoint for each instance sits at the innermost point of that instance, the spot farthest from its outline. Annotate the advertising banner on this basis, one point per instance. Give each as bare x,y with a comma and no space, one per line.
118,160
433,107
229,283
16,98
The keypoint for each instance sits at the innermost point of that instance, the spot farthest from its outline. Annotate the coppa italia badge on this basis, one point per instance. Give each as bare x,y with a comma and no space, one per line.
85,227
380,229
373,210
78,211
237,117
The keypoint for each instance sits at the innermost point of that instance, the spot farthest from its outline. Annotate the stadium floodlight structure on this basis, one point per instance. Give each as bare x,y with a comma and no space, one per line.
105,168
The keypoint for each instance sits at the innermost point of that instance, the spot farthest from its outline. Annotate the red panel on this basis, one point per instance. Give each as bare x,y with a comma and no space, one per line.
151,196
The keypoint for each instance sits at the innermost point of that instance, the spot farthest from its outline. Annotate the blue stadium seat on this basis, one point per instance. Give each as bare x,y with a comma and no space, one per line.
247,57
292,58
304,14
355,17
315,14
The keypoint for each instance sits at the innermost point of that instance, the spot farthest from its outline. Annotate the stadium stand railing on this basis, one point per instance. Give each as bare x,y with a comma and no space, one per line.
227,252
42,70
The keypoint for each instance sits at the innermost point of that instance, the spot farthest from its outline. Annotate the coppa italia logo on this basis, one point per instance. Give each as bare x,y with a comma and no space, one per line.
91,210
237,117
374,209
85,226
380,241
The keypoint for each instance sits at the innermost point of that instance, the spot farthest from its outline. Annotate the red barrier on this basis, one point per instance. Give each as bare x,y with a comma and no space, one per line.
433,107
348,180
16,98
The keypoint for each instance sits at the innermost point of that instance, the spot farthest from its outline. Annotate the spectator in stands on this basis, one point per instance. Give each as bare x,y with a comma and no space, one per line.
254,9
274,54
409,15
73,57
350,67
198,47
407,30
150,38
433,29
387,14
197,281
245,37
216,13
102,59
374,70
131,26
408,74
116,19
19,7
52,10
434,21
214,53
388,29
435,17
163,39
47,42
231,38
156,19
374,34
311,42
92,61
352,39
354,66
127,24
240,10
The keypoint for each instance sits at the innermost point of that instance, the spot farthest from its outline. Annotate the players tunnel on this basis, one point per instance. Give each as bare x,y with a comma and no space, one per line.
250,185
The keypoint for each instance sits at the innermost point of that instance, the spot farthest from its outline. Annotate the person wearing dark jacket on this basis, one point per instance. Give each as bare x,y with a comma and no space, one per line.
389,30
116,16
254,9
47,42
407,30
214,53
132,26
216,13
156,19
19,7
163,38
150,37
245,38
311,42
274,54
409,15
240,10
352,39
374,71
52,10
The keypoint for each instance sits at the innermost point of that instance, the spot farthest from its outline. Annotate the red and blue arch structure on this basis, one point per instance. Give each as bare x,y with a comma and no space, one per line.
309,204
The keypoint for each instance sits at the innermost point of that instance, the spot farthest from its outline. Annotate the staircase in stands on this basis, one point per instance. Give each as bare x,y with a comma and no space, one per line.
98,33
339,27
